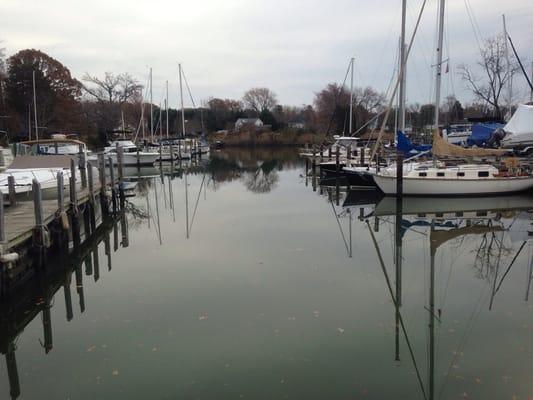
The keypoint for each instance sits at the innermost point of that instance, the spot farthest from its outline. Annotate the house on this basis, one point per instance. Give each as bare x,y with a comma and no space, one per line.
296,125
248,123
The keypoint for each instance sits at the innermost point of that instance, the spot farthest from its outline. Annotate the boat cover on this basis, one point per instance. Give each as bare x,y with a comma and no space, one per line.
520,126
482,132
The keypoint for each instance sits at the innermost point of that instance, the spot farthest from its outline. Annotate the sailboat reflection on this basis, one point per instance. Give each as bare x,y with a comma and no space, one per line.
23,302
447,219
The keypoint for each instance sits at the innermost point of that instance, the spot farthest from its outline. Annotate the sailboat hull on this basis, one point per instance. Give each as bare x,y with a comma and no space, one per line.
454,187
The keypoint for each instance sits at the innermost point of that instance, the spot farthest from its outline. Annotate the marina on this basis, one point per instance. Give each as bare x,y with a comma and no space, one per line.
282,200
327,296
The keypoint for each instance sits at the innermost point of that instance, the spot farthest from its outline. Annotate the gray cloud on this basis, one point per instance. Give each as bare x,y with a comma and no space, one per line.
294,47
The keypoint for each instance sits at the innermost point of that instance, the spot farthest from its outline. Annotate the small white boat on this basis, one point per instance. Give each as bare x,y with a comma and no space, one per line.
458,134
460,180
132,154
44,169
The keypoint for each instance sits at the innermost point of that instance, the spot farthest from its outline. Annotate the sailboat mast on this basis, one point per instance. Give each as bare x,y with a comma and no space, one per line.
508,66
35,108
182,109
166,108
123,125
439,62
151,108
401,111
351,97
531,93
29,121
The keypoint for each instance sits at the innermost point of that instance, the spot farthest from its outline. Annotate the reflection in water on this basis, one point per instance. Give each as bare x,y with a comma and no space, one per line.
284,288
34,297
496,222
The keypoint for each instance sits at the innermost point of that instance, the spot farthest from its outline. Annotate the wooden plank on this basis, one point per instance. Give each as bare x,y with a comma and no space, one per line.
20,220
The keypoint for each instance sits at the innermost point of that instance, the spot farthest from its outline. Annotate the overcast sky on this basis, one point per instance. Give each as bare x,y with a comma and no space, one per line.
293,47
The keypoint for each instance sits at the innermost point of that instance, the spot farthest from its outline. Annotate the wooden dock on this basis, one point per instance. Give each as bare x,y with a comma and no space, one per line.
42,222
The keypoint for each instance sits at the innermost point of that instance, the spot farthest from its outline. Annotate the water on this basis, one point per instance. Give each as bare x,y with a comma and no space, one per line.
267,289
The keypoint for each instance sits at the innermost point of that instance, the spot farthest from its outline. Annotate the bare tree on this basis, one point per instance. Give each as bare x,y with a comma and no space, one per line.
260,99
496,75
113,88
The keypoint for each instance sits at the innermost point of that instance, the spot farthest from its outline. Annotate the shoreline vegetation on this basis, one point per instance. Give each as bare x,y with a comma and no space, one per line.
40,97
266,138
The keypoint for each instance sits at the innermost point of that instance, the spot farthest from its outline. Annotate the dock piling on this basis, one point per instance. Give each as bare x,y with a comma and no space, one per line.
11,190
2,221
113,187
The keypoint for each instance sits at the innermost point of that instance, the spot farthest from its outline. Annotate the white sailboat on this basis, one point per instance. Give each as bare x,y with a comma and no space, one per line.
455,180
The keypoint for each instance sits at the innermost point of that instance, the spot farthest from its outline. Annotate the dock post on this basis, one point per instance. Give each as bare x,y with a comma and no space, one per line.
120,161
321,152
399,175
313,164
2,220
60,193
83,167
337,161
12,371
362,156
11,190
92,208
138,158
72,187
103,189
348,155
113,187
38,212
329,152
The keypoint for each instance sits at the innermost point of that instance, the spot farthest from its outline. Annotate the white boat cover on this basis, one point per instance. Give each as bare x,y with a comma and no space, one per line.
520,127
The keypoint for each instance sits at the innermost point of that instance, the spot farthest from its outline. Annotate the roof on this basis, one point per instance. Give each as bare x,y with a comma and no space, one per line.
248,120
48,161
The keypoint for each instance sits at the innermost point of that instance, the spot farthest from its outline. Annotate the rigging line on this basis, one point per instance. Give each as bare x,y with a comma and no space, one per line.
398,81
142,111
408,342
197,201
337,98
157,212
510,265
520,63
464,340
339,224
187,86
470,17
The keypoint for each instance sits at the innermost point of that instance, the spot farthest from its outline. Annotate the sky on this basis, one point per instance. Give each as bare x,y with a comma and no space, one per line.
293,47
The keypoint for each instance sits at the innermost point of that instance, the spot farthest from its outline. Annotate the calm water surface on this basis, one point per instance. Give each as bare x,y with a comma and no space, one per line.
239,279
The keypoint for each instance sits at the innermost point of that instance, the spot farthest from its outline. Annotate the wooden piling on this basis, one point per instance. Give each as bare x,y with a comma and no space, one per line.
91,183
348,155
362,156
321,152
11,190
399,175
72,185
138,158
60,193
2,220
120,162
92,202
38,232
113,187
83,168
103,188
337,161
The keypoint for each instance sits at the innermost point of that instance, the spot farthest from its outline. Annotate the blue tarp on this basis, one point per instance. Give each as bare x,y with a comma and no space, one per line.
406,146
482,132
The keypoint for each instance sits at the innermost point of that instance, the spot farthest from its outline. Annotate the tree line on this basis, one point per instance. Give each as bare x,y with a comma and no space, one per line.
96,107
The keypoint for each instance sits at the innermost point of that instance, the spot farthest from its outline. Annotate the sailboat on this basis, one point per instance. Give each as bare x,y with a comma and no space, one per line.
459,179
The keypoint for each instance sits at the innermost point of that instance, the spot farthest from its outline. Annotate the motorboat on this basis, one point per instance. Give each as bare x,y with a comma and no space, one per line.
132,155
44,169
